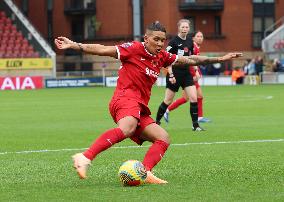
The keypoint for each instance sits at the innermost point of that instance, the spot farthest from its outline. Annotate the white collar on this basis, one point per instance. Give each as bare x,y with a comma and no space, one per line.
147,50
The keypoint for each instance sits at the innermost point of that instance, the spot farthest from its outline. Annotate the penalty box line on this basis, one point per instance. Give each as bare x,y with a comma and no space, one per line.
125,147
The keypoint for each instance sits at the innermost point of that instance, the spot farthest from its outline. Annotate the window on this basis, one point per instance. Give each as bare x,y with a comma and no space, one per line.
218,25
78,29
263,1
268,1
257,24
90,27
263,20
268,23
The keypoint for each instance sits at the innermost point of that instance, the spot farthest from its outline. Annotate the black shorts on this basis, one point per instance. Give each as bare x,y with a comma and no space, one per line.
183,79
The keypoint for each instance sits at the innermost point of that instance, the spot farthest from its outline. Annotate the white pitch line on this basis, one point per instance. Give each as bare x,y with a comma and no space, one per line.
124,147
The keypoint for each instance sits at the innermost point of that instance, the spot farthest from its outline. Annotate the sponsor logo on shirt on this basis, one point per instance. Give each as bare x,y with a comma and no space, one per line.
151,72
168,48
180,52
126,45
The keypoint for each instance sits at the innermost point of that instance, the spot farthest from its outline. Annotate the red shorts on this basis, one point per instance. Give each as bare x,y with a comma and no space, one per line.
122,107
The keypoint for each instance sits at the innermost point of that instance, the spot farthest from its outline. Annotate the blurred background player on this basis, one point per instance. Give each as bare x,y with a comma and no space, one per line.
197,40
140,62
181,45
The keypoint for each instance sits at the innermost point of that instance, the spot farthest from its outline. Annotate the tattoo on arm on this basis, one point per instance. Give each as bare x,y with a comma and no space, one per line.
182,60
204,59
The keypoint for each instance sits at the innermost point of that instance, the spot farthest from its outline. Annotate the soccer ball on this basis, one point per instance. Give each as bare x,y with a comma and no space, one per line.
132,173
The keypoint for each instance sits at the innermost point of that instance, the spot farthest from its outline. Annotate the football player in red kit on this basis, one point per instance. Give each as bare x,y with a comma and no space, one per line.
140,66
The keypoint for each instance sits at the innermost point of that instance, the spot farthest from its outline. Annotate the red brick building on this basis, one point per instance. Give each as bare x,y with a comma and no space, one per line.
228,25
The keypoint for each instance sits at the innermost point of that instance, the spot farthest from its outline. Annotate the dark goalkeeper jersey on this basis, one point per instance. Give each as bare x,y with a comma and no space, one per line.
181,47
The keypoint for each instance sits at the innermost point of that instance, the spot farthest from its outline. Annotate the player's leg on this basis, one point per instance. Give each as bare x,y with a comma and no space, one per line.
127,113
190,91
126,127
201,119
178,102
174,105
169,96
171,89
192,94
160,139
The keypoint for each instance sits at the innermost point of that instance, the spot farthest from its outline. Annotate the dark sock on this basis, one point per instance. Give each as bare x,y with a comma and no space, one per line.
194,114
162,109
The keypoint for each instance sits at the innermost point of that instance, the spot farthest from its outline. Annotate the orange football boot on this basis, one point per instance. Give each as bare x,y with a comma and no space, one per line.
152,179
81,164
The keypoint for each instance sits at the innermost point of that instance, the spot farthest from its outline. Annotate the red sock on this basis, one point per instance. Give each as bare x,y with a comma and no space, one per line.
105,141
155,154
200,107
177,103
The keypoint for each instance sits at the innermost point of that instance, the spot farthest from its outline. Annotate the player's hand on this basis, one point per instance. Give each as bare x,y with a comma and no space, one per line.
172,78
63,43
230,56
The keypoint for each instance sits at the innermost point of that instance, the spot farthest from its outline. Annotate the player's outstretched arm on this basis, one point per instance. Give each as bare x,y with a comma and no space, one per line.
203,60
95,49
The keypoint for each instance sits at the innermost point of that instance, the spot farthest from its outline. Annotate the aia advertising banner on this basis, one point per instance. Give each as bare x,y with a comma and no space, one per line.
21,83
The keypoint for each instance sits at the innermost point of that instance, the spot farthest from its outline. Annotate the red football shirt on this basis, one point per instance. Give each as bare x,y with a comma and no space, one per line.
139,70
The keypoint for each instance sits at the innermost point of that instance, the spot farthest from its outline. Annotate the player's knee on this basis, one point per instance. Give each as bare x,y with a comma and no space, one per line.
165,137
168,101
193,99
128,130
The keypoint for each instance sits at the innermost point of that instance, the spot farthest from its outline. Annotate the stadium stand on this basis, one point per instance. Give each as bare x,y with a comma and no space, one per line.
23,51
13,43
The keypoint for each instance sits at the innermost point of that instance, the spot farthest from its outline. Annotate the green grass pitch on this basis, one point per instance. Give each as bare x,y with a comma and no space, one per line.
239,158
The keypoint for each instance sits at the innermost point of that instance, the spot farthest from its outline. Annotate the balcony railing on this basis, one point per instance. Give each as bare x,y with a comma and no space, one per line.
215,5
79,7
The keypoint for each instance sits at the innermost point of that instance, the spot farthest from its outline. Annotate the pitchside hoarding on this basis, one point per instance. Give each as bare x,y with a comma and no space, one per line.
25,63
21,83
73,82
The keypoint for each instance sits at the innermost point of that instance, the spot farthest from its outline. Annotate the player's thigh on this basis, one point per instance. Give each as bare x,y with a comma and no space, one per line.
184,95
191,92
154,132
169,96
128,125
